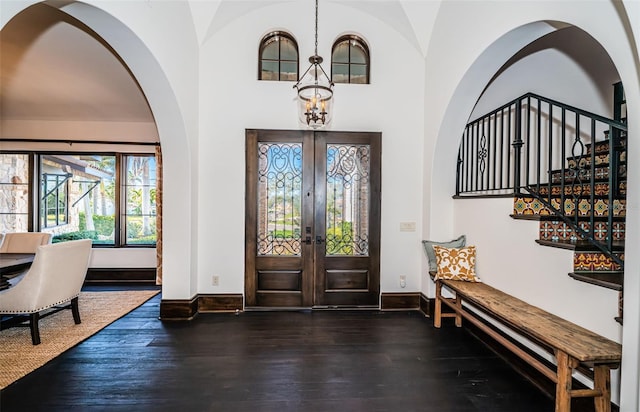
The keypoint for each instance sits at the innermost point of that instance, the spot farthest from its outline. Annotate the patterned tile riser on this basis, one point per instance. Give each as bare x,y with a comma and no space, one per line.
532,206
601,159
558,231
585,174
603,146
594,262
601,189
585,161
600,207
529,206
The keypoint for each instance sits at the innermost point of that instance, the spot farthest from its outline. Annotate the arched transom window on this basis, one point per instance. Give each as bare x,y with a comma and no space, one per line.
278,57
350,60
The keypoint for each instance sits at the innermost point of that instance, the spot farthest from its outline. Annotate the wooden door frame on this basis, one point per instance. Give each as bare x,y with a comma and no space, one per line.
309,253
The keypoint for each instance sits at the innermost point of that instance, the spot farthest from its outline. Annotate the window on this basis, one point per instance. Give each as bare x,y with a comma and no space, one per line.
77,197
109,198
278,57
140,197
350,60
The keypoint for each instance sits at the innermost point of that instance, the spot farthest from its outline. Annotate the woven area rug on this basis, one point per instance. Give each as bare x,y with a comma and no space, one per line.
58,333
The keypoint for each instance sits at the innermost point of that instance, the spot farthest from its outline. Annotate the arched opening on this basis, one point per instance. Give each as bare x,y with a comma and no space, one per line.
116,92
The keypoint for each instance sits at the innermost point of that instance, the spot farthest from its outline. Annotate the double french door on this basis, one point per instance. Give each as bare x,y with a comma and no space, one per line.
312,224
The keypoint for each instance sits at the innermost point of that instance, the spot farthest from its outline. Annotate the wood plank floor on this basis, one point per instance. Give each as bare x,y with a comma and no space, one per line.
277,361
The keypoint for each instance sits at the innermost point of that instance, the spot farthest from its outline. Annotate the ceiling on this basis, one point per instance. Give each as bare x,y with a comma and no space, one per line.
56,74
54,69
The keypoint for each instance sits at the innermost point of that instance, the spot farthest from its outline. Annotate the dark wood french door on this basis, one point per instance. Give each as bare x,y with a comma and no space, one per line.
312,224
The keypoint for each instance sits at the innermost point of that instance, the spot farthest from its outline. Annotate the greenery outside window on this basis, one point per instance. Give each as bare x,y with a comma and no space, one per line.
140,198
77,197
109,198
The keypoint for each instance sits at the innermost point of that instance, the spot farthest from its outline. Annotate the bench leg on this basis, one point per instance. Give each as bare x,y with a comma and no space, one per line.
602,382
458,309
437,317
563,386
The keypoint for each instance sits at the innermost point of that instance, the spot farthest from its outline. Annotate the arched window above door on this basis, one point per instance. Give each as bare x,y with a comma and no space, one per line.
278,58
350,60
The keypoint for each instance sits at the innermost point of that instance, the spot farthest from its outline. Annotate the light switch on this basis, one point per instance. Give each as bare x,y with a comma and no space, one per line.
407,226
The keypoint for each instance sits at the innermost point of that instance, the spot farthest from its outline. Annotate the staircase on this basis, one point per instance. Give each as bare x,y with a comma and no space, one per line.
586,190
566,168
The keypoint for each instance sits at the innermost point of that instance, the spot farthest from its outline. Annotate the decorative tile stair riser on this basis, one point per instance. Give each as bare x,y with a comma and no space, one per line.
559,231
526,206
600,207
594,262
601,173
600,189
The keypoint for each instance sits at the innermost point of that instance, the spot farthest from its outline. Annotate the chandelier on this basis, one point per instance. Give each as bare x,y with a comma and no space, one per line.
315,91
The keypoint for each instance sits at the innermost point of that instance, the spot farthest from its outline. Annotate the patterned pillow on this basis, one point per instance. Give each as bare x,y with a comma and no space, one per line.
456,264
428,249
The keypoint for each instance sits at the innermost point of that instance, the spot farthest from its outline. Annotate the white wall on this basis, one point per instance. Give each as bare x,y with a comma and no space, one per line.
232,100
558,66
470,66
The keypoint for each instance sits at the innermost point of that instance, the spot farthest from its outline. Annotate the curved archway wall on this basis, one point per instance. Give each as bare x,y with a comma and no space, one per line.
452,90
173,99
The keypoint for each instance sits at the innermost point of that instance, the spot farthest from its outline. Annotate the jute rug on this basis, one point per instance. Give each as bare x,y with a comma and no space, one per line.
58,333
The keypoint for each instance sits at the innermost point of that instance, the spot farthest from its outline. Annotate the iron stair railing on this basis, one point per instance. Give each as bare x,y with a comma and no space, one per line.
546,149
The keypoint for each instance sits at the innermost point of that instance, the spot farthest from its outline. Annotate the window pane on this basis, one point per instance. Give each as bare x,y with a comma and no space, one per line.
341,53
340,73
278,57
288,71
78,197
279,200
357,54
270,51
269,70
347,209
358,74
140,195
14,193
287,50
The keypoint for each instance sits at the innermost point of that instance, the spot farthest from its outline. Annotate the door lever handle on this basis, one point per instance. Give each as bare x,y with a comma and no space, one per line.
319,240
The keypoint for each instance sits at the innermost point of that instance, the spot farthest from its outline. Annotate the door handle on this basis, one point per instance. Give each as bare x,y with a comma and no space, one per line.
319,240
307,240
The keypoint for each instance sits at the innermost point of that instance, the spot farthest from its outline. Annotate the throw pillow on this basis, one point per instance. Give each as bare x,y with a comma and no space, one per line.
429,244
456,264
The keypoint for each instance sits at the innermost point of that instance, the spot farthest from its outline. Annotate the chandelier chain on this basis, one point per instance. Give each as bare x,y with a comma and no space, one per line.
316,49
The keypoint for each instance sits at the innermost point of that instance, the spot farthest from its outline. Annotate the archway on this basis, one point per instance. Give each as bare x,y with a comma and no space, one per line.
172,130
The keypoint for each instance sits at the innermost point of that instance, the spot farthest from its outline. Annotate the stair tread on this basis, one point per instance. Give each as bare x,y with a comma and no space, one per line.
579,245
610,280
556,218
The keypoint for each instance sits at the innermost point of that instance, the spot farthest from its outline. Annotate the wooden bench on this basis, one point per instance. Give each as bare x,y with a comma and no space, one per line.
572,345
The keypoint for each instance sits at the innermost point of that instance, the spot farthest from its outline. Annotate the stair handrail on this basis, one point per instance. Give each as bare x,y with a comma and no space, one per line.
499,155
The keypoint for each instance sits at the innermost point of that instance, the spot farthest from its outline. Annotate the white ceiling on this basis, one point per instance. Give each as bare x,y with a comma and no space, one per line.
53,68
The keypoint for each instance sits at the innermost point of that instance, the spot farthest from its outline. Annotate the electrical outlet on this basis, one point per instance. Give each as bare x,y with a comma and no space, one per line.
215,280
403,281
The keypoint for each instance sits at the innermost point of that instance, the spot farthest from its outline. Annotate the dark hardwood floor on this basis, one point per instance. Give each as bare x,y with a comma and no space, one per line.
277,361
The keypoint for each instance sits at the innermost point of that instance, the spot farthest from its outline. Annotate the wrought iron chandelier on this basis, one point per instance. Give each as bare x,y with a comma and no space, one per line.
315,91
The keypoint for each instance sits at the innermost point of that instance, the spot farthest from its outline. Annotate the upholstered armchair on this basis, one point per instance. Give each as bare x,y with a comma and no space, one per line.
23,242
55,278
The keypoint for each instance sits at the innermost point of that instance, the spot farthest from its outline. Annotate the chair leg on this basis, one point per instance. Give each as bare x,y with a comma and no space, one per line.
33,325
75,310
